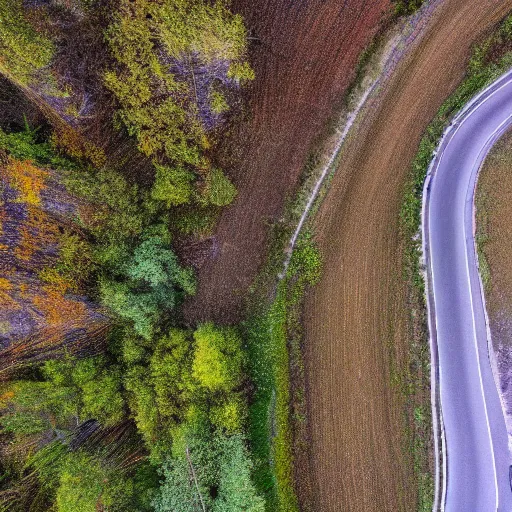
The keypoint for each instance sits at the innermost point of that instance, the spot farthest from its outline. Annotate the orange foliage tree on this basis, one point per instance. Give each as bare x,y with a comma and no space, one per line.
41,314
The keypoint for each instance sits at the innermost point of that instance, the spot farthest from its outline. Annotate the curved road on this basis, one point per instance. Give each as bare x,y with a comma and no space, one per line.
475,447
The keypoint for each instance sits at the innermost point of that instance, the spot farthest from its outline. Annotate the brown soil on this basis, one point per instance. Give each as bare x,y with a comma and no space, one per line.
357,323
494,210
304,59
494,206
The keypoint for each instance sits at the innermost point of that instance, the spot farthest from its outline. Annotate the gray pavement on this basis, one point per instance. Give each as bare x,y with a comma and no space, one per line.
476,477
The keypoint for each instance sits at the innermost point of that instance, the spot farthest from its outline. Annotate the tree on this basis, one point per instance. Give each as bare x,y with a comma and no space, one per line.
157,265
214,472
169,367
89,484
149,282
229,413
161,390
218,358
39,407
95,383
23,51
80,484
219,191
236,491
142,401
173,186
177,491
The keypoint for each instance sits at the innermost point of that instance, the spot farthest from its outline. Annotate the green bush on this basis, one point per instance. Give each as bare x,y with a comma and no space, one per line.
218,358
94,384
219,191
24,145
218,102
404,7
22,50
172,186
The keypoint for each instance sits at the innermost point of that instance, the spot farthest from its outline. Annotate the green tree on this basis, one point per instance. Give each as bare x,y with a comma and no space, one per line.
219,191
218,358
229,413
37,407
89,484
161,390
80,484
173,186
22,50
95,384
236,491
213,471
115,211
150,282
142,401
169,367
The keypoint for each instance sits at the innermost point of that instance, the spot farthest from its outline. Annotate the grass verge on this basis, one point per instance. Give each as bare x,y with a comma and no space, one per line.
274,335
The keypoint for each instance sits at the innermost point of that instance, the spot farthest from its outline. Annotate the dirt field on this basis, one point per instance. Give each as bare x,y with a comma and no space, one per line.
494,207
494,212
356,318
304,59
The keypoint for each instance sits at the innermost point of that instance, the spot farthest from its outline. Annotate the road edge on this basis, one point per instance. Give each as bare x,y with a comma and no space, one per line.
425,264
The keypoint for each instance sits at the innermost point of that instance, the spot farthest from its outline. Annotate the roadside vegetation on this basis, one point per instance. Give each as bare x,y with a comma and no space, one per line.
274,335
404,7
490,58
107,401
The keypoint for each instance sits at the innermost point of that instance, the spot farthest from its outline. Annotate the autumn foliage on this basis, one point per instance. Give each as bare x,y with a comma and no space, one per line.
39,315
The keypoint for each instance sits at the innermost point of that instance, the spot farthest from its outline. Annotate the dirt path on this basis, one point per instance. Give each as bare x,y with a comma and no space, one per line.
304,61
356,318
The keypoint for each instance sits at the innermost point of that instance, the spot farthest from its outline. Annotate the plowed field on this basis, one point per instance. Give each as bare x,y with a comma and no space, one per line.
304,56
356,318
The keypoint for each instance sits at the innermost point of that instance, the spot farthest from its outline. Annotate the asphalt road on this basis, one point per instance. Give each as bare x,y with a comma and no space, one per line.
476,455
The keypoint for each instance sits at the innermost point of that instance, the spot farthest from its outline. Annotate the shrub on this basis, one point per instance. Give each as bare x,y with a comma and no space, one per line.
173,186
22,50
219,191
404,7
241,72
217,364
218,102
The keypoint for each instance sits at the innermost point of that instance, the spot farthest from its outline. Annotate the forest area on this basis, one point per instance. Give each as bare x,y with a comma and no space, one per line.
111,188
109,113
